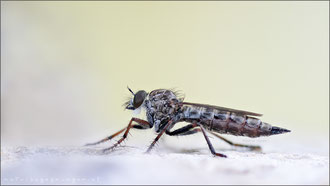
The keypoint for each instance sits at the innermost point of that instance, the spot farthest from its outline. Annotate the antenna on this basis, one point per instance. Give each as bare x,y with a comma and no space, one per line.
131,91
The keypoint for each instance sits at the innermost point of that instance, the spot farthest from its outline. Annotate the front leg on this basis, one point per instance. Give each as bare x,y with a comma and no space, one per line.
142,124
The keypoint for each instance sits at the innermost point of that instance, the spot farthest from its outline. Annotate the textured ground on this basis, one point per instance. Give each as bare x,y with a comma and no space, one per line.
129,165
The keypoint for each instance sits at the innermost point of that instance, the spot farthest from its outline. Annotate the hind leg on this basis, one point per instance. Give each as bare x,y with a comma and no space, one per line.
210,144
190,129
252,147
186,130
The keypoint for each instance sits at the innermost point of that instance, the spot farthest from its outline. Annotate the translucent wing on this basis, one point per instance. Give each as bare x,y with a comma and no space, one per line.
240,112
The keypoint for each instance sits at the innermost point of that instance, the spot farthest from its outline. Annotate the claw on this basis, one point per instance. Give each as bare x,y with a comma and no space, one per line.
220,155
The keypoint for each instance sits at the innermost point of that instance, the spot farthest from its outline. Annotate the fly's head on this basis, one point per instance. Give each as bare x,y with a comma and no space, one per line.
137,100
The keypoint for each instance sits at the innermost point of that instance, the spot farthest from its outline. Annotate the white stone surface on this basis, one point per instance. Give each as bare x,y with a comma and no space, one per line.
130,165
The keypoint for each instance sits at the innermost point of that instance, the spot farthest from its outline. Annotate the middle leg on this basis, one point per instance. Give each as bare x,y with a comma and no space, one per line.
159,135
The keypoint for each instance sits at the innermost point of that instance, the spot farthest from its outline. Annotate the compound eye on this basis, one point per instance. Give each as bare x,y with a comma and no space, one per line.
139,98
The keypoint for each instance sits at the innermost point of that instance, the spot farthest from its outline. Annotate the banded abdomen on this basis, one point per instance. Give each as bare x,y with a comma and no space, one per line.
229,121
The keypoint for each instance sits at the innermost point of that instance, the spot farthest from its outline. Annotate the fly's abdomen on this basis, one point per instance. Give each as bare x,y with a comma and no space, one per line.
230,122
243,125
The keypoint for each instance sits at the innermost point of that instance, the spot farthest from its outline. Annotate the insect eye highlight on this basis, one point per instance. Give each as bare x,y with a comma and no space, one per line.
139,98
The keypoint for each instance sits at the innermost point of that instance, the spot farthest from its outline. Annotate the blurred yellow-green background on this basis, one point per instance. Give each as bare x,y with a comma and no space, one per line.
65,65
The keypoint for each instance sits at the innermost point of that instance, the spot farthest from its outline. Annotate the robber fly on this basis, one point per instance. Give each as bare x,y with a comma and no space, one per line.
164,108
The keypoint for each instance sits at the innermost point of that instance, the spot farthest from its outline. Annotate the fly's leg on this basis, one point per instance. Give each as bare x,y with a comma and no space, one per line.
117,133
193,131
180,132
186,130
252,147
190,129
142,124
158,136
209,143
107,138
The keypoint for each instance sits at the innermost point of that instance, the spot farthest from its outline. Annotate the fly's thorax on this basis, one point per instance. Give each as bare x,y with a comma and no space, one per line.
162,106
149,111
161,94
